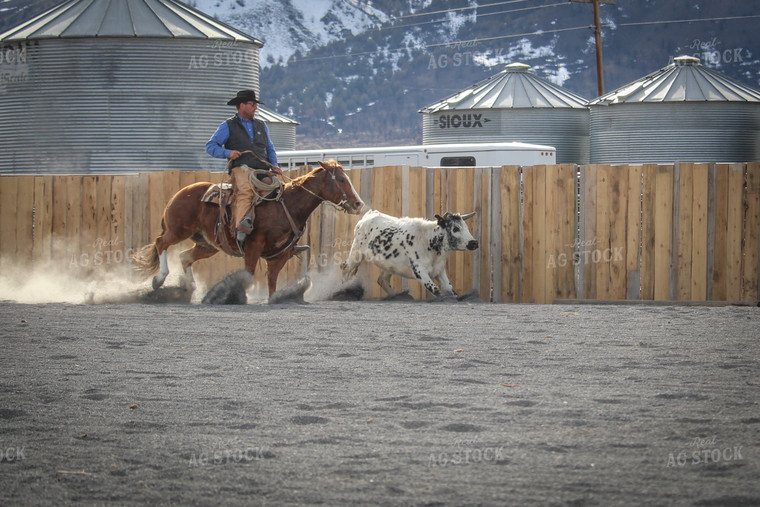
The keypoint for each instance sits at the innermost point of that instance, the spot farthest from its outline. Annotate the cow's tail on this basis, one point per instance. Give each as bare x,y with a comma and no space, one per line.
351,265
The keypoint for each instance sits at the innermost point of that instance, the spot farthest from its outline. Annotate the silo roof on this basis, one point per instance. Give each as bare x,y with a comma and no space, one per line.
125,18
513,87
268,116
684,80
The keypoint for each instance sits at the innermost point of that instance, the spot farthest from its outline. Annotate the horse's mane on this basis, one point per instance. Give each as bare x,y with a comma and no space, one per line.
297,181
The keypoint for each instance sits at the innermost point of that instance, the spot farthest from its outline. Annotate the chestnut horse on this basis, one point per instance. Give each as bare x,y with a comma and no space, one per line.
274,233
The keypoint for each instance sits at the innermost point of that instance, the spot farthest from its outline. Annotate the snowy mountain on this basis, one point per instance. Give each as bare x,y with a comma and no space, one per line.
290,26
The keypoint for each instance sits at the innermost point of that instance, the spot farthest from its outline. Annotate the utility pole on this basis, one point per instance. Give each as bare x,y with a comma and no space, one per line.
598,39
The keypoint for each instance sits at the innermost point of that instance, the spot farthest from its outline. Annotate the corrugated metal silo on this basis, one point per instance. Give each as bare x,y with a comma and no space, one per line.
119,85
282,130
683,112
513,105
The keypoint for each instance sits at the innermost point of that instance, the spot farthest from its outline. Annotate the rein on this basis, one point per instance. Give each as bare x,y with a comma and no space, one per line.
265,162
336,206
298,233
279,187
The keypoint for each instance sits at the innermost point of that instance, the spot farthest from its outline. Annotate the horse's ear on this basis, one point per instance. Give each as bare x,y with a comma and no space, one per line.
329,165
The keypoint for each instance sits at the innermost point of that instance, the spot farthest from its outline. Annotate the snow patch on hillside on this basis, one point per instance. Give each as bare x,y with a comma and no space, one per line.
288,26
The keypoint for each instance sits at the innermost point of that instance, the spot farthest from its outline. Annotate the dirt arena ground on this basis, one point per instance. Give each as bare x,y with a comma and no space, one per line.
379,403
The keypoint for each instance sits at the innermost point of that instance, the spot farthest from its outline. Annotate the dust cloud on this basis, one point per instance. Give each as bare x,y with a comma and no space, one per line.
57,283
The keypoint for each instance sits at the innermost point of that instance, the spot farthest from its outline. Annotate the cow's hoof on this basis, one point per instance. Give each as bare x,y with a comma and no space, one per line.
471,297
401,296
444,298
348,292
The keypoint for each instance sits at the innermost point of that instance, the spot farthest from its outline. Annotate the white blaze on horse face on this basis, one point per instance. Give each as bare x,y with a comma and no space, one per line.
354,196
359,202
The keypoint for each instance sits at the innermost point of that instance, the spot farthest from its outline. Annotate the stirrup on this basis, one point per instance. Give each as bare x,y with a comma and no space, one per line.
245,226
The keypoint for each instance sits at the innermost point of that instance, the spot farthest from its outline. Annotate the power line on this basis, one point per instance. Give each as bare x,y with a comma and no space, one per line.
453,43
393,27
523,9
512,36
641,23
470,7
526,34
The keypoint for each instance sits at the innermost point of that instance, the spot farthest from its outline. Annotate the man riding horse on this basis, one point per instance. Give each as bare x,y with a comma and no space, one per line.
244,140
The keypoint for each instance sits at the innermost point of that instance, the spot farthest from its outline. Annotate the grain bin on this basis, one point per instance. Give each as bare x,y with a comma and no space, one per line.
682,112
513,105
108,86
282,130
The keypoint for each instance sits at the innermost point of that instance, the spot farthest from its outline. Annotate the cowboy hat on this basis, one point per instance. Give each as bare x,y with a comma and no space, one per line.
244,96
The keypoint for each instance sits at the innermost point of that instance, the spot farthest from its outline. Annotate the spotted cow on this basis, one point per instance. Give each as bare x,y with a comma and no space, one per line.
409,247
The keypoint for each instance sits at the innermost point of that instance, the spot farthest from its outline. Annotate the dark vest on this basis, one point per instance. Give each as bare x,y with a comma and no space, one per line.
240,141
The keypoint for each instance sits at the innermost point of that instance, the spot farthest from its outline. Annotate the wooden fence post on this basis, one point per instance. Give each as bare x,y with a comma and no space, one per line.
735,229
648,239
751,254
700,194
663,234
43,214
633,233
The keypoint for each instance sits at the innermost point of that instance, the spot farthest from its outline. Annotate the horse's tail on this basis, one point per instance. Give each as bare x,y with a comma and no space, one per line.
146,258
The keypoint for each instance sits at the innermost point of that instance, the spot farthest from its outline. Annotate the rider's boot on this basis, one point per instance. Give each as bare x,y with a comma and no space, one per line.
245,227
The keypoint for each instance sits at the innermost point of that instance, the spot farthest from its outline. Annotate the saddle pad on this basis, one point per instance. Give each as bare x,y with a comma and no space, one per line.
214,191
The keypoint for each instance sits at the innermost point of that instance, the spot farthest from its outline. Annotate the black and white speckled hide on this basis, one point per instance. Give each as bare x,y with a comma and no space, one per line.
409,247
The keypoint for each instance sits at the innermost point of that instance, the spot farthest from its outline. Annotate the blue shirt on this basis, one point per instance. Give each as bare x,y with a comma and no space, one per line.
215,145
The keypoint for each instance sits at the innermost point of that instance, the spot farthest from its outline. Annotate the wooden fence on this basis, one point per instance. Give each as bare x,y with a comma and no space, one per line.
686,232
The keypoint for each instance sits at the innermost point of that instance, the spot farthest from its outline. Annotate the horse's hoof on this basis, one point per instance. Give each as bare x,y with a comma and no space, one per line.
187,283
158,281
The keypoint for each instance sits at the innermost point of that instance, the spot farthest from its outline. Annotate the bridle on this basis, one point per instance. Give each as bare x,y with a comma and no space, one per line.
343,204
297,233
